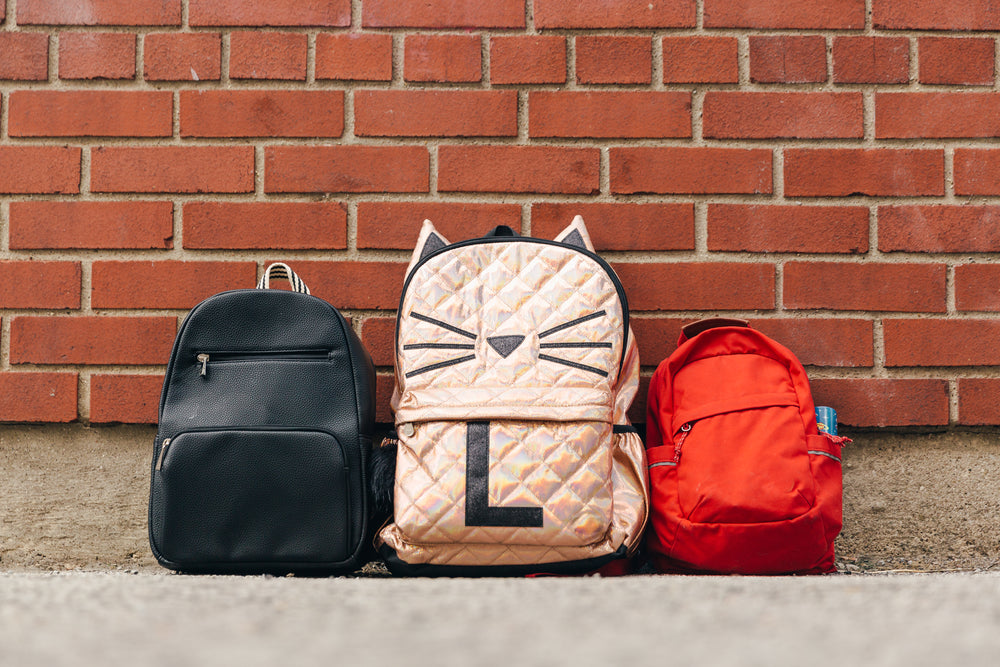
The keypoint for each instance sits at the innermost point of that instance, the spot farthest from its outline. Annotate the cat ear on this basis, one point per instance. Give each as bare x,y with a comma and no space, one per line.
428,241
576,235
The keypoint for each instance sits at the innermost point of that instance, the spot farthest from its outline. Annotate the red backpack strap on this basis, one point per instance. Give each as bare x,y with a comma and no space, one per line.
695,328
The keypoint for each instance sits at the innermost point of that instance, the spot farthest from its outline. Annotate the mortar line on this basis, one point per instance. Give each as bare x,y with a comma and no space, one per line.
310,81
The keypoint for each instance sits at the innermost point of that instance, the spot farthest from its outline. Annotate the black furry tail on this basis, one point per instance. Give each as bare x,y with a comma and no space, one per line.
382,476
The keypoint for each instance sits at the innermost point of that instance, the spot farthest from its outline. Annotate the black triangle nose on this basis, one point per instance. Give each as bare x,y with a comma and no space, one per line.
504,345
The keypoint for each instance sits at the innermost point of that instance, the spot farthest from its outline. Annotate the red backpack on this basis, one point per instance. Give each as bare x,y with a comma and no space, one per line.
741,481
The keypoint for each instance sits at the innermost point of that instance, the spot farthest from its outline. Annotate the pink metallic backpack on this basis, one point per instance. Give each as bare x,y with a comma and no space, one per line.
515,367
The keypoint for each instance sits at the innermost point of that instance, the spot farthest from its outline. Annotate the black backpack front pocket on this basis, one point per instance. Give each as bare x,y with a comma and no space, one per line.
251,500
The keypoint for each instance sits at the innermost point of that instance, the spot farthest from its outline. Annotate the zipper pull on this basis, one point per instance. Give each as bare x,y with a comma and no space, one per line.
685,429
203,358
163,453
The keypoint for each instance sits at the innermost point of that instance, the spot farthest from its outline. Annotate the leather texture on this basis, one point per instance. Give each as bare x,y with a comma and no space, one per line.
526,344
268,438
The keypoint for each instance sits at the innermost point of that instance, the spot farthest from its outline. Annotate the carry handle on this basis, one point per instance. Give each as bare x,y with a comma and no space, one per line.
501,231
280,270
695,328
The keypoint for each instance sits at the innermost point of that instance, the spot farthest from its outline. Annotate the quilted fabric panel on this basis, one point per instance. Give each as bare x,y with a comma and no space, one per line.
559,302
562,468
630,509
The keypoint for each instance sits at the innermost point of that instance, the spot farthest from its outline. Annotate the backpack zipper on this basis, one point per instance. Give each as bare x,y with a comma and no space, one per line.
685,430
203,358
163,453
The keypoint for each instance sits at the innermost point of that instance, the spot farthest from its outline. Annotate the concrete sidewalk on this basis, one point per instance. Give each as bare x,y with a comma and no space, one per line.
111,619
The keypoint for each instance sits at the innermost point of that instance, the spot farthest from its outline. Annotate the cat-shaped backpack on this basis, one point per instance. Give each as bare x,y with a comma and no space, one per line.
515,366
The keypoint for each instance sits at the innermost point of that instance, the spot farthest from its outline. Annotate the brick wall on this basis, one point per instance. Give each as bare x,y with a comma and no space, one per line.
828,170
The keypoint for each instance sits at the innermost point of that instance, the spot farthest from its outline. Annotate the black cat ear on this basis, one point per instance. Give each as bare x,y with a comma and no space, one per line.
429,241
576,235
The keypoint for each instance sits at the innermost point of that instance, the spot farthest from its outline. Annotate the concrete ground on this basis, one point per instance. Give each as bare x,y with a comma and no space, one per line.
73,497
105,619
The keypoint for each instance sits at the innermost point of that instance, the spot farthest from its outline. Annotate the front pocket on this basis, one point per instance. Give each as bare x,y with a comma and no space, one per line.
205,359
245,496
745,466
504,482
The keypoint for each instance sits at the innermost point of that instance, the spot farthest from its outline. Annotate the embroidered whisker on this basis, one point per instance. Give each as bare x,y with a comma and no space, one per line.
572,323
573,364
443,325
440,364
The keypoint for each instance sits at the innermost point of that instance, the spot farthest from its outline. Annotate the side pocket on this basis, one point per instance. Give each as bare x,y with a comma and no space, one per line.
664,510
825,462
630,490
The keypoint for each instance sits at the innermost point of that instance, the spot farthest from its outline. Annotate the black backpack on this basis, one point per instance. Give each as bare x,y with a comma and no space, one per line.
265,427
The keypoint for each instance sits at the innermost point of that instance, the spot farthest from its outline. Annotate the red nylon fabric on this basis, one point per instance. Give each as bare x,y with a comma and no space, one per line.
741,481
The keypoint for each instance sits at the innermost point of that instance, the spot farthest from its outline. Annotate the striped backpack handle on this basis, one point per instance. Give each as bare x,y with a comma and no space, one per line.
281,270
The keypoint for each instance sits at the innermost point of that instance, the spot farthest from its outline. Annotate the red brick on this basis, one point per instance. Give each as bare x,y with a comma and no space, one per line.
939,228
25,56
39,169
978,401
977,171
172,169
361,285
90,113
39,284
268,55
99,12
262,113
346,169
354,56
537,169
443,14
384,383
265,225
91,224
977,287
765,228
787,58
396,225
870,403
843,172
940,342
165,284
614,14
91,340
614,59
706,286
527,59
947,115
38,397
866,286
609,114
956,60
182,56
935,15
790,14
752,115
641,227
435,113
656,337
823,342
325,13
126,399
690,170
700,59
860,59
453,58
378,334
96,55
